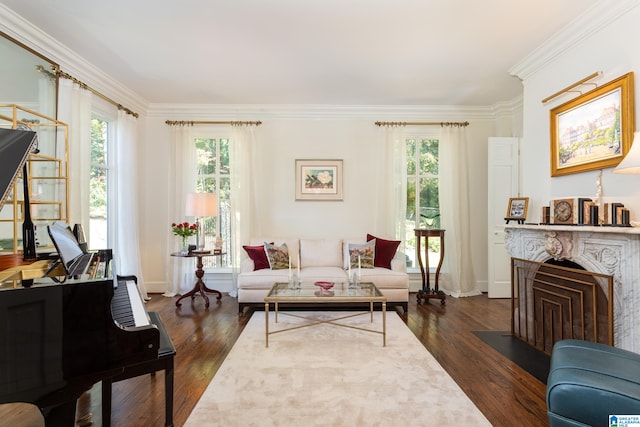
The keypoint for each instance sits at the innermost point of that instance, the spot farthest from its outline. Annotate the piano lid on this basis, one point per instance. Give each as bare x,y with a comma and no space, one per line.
15,146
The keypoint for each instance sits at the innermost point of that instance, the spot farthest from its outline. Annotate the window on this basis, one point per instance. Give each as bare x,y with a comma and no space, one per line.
98,236
212,157
423,207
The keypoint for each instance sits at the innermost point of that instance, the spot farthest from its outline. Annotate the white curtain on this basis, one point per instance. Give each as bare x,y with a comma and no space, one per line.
392,203
124,191
182,180
74,109
243,200
455,212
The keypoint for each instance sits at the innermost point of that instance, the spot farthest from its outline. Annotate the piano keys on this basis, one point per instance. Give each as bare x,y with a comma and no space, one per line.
127,305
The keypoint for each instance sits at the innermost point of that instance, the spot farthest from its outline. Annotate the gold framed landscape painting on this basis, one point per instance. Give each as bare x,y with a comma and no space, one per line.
594,130
318,179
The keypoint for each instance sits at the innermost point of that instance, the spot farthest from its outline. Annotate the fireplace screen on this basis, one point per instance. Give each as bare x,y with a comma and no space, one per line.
552,302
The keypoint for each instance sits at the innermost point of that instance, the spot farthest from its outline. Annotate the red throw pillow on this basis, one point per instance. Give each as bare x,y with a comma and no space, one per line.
258,256
385,251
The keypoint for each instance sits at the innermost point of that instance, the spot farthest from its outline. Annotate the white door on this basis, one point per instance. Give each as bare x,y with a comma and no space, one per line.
503,183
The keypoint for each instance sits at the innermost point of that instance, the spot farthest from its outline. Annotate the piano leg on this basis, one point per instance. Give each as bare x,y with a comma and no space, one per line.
61,415
168,393
107,384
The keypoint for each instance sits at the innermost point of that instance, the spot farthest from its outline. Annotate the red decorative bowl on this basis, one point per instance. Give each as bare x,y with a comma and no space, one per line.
325,285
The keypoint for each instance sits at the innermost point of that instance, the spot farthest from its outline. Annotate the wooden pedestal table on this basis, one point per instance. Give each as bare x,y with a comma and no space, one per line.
200,286
427,292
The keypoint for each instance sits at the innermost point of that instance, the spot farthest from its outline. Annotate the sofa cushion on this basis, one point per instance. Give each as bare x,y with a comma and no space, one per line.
361,254
320,253
258,256
384,278
385,251
278,256
261,279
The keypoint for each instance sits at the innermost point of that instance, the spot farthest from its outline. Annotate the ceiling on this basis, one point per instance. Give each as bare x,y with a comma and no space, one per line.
332,52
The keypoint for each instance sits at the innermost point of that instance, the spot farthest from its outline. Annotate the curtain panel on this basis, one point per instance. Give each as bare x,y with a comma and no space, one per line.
125,194
392,201
242,166
182,180
456,213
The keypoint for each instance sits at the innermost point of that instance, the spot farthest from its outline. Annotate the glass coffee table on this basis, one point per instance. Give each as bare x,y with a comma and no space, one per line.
338,294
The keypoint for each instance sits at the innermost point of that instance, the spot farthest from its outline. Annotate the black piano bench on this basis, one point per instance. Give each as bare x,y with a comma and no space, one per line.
164,362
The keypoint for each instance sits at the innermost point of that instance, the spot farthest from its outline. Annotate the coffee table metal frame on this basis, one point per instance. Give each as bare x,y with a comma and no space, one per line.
342,293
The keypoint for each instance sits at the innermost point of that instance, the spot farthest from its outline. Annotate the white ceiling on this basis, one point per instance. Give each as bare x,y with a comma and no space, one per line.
336,52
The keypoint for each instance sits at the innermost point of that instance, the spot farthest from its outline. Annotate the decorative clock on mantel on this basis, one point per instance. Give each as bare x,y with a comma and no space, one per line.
563,211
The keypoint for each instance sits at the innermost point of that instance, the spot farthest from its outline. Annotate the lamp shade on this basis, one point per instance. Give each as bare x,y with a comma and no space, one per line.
631,162
201,205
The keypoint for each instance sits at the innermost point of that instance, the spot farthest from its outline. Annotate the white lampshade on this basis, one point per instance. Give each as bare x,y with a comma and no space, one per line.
631,162
201,205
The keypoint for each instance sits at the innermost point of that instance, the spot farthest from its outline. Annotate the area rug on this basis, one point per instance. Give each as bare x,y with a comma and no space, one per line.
522,354
326,375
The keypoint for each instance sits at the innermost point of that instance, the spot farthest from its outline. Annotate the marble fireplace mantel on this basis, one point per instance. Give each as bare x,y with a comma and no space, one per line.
613,251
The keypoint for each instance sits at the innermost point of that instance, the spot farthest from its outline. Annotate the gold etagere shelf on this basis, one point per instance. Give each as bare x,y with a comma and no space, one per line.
48,173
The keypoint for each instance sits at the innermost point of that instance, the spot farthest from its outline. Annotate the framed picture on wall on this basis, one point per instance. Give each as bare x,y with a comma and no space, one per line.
594,130
318,179
517,209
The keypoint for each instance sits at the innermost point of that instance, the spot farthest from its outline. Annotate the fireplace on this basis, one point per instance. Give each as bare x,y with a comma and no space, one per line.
605,251
554,301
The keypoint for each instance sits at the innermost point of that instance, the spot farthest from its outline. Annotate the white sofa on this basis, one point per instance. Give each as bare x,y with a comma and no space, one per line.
320,260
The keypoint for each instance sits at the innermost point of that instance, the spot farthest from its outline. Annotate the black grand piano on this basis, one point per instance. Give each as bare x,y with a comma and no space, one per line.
59,339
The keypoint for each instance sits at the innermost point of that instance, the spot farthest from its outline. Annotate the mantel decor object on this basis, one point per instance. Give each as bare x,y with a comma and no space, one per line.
517,209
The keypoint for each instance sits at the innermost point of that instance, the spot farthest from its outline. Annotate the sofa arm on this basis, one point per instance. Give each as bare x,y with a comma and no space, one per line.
246,265
398,265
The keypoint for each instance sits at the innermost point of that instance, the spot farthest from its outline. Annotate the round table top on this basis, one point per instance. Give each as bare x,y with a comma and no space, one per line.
195,254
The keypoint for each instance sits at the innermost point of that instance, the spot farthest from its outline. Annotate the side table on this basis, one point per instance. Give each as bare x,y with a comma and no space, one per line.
200,285
427,292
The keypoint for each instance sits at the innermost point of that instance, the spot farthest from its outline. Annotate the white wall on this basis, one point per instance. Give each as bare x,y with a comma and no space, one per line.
280,140
610,49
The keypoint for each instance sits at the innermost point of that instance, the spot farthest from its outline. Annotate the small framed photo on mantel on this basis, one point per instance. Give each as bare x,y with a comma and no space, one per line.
517,209
318,179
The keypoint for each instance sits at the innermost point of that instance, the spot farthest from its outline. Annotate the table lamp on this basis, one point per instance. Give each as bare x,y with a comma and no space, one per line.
630,165
631,162
201,205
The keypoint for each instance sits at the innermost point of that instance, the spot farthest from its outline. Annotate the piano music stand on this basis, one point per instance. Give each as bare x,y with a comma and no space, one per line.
200,286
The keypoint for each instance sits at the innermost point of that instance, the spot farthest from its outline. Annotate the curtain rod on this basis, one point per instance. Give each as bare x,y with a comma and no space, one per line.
41,69
443,124
192,123
64,75
576,84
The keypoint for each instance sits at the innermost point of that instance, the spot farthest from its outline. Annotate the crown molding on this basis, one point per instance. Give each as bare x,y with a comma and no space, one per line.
592,20
70,62
352,112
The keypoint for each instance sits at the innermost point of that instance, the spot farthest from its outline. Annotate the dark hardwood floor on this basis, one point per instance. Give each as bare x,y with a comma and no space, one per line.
506,394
